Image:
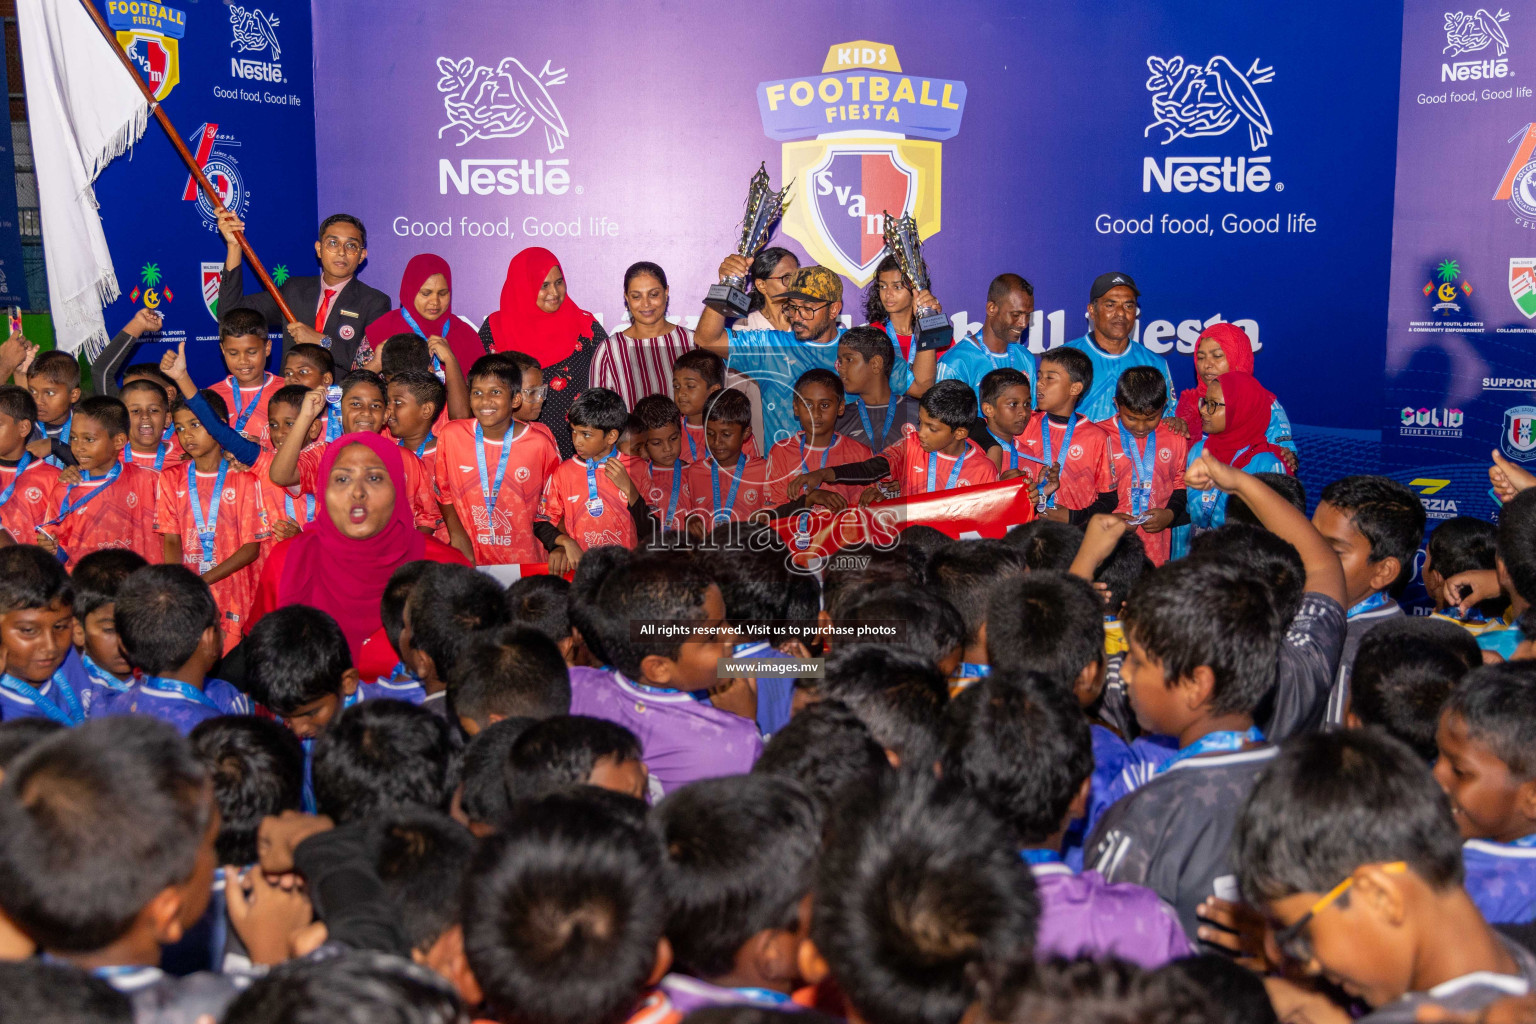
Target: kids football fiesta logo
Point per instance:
(150, 34)
(860, 139)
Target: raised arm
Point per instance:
(285, 464)
(174, 366)
(711, 334)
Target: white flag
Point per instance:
(84, 111)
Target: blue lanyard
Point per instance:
(825, 452)
(1142, 468)
(972, 670)
(1370, 604)
(65, 508)
(410, 321)
(243, 412)
(677, 484)
(160, 456)
(101, 677)
(70, 714)
(180, 689)
(1212, 742)
(491, 489)
(693, 446)
(332, 422)
(954, 473)
(730, 496)
(876, 443)
(207, 532)
(421, 449)
(1045, 449)
(21, 467)
(1525, 842)
(594, 503)
(309, 508)
(1041, 856)
(64, 434)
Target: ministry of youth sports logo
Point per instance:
(1192, 100)
(503, 102)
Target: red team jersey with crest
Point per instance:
(1085, 468)
(792, 457)
(241, 521)
(146, 460)
(566, 496)
(504, 537)
(1167, 476)
(428, 459)
(122, 516)
(418, 485)
(26, 507)
(694, 449)
(659, 494)
(251, 409)
(751, 491)
(909, 467)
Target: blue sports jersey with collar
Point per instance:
(1208, 509)
(1111, 755)
(970, 360)
(1279, 430)
(1501, 879)
(1099, 403)
(183, 711)
(776, 359)
(87, 691)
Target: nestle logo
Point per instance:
(1206, 174)
(507, 177)
(255, 70)
(1472, 70)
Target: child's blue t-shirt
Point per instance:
(71, 675)
(1208, 509)
(183, 707)
(1501, 641)
(1501, 879)
(1111, 756)
(775, 694)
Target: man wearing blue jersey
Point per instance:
(1112, 312)
(1000, 342)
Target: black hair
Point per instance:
(18, 403)
(846, 582)
(657, 411)
(1517, 543)
(709, 367)
(396, 593)
(598, 407)
(423, 856)
(382, 755)
(151, 371)
(644, 267)
(562, 913)
(1047, 622)
(933, 628)
(1020, 743)
(740, 855)
(1236, 994)
(581, 607)
(1126, 563)
(1077, 364)
(1271, 558)
(483, 792)
(161, 613)
(1002, 284)
(32, 578)
(818, 375)
(404, 351)
(257, 768)
(633, 427)
(1333, 801)
(56, 367)
(1100, 991)
(133, 387)
(317, 355)
(951, 402)
(41, 992)
(899, 696)
(563, 751)
(348, 986)
(729, 406)
(1193, 613)
(17, 735)
(290, 395)
(98, 575)
(511, 672)
(110, 412)
(1386, 513)
(920, 542)
(1141, 390)
(654, 587)
(515, 363)
(343, 218)
(757, 583)
(296, 655)
(965, 571)
(213, 398)
(448, 604)
(1404, 670)
(94, 821)
(874, 309)
(916, 888)
(359, 377)
(1461, 545)
(1498, 704)
(499, 366)
(995, 382)
(242, 322)
(541, 603)
(871, 343)
(423, 386)
(829, 750)
(1283, 484)
(1046, 543)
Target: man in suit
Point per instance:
(330, 310)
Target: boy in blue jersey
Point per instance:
(874, 413)
(43, 676)
(1000, 342)
(1487, 766)
(1112, 311)
(97, 578)
(168, 624)
(300, 668)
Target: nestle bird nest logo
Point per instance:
(1191, 100)
(500, 102)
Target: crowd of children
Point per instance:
(1170, 750)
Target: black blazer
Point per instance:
(354, 309)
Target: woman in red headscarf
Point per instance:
(1235, 416)
(538, 319)
(342, 560)
(426, 309)
(1222, 348)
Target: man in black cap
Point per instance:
(1112, 311)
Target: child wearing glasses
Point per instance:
(1236, 412)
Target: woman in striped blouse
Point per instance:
(637, 361)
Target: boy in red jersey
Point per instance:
(245, 346)
(113, 505)
(416, 400)
(1148, 459)
(491, 469)
(662, 445)
(1075, 451)
(25, 479)
(731, 483)
(819, 401)
(148, 414)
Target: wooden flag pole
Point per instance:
(187, 158)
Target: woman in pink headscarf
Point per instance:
(1223, 348)
(426, 310)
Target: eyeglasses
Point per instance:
(535, 394)
(785, 280)
(1210, 405)
(334, 244)
(1290, 939)
(801, 309)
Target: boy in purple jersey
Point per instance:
(1020, 744)
(43, 676)
(1487, 766)
(513, 672)
(168, 624)
(97, 578)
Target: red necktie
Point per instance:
(325, 309)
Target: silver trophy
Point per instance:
(933, 330)
(764, 207)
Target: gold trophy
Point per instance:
(764, 207)
(933, 330)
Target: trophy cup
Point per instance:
(764, 206)
(933, 330)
